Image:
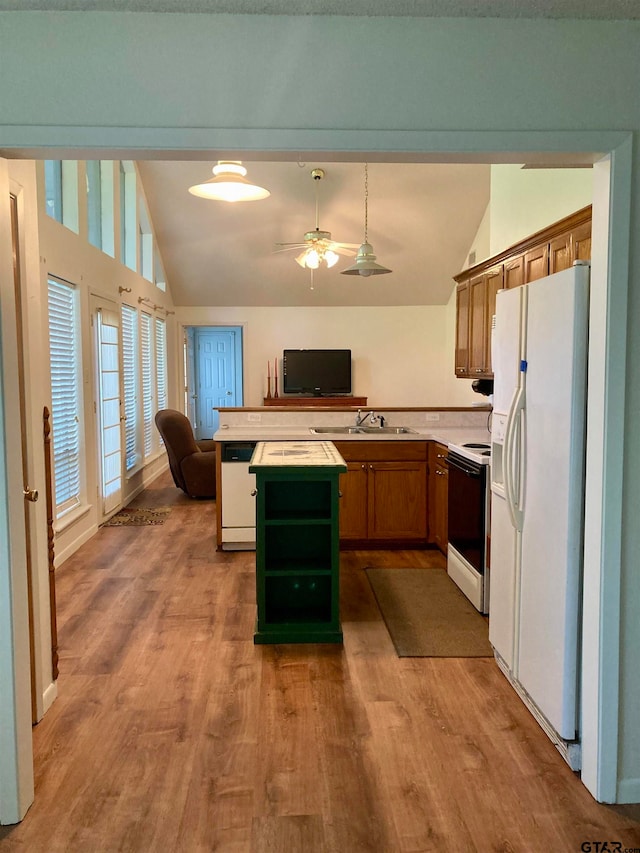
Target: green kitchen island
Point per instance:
(297, 541)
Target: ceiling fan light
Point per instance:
(331, 258)
(229, 184)
(365, 263)
(312, 259)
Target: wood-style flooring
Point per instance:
(173, 732)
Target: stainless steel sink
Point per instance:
(345, 430)
(342, 430)
(386, 430)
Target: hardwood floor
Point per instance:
(173, 732)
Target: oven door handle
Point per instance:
(459, 465)
(512, 473)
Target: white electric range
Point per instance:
(467, 550)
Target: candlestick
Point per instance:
(275, 376)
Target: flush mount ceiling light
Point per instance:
(365, 263)
(229, 184)
(317, 247)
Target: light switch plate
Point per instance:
(254, 417)
(431, 417)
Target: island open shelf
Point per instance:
(297, 542)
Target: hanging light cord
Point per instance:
(366, 200)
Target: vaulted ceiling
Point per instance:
(422, 219)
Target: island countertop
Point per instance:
(296, 454)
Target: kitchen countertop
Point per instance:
(445, 435)
(296, 454)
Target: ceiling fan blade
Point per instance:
(285, 247)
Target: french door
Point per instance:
(106, 323)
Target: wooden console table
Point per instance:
(294, 400)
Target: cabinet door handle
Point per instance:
(254, 493)
(339, 494)
(441, 456)
(363, 466)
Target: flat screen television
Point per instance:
(320, 372)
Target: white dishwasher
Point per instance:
(238, 497)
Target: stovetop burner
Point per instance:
(477, 446)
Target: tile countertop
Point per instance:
(296, 454)
(445, 435)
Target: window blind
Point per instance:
(161, 363)
(147, 382)
(65, 394)
(130, 382)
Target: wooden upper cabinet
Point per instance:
(514, 272)
(494, 282)
(548, 251)
(536, 263)
(477, 325)
(462, 329)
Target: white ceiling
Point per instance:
(597, 9)
(422, 220)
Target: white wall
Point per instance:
(402, 356)
(525, 200)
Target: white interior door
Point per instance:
(107, 326)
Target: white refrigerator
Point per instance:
(539, 351)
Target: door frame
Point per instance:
(606, 405)
(190, 371)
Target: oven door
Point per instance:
(467, 485)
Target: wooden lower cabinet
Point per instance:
(384, 492)
(438, 495)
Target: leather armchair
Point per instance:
(192, 463)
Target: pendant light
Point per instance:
(229, 184)
(365, 263)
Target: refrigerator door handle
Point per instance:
(511, 458)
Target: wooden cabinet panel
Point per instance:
(353, 503)
(462, 329)
(581, 242)
(477, 325)
(560, 253)
(514, 272)
(536, 263)
(438, 495)
(397, 500)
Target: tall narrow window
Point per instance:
(94, 202)
(128, 229)
(53, 188)
(65, 394)
(148, 381)
(130, 351)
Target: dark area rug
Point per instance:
(427, 615)
(138, 517)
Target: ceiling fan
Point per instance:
(317, 246)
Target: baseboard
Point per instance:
(73, 546)
(49, 696)
(570, 750)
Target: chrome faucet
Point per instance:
(374, 419)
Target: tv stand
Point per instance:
(328, 402)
